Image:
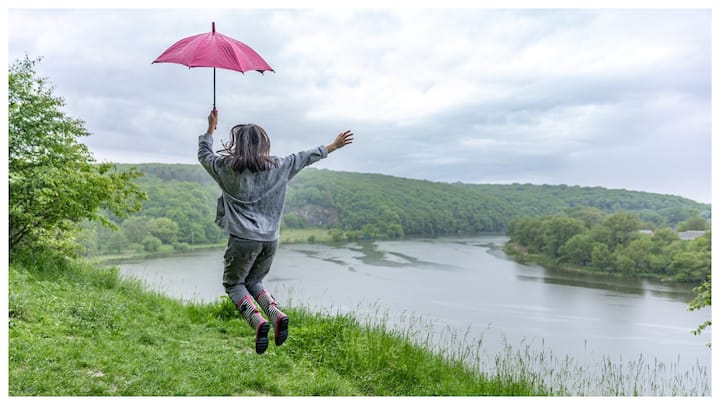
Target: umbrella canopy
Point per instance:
(214, 50)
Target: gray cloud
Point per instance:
(614, 98)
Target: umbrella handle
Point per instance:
(214, 109)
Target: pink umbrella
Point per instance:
(214, 50)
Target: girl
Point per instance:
(253, 185)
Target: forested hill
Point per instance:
(381, 205)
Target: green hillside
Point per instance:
(181, 201)
(431, 208)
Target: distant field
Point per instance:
(306, 235)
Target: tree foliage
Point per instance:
(53, 181)
(179, 211)
(702, 299)
(614, 244)
(363, 206)
(694, 223)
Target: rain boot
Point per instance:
(278, 319)
(250, 312)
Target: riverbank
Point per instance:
(79, 329)
(521, 255)
(288, 236)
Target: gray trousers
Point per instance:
(247, 262)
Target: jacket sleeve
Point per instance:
(206, 156)
(297, 161)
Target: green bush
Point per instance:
(151, 244)
(181, 247)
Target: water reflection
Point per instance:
(669, 290)
(576, 282)
(374, 256)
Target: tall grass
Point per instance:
(535, 364)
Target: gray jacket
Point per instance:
(251, 204)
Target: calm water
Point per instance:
(467, 289)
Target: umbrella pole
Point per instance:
(214, 89)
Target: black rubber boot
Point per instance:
(257, 322)
(279, 320)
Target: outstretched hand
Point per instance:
(212, 121)
(344, 138)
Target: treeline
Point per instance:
(364, 206)
(176, 215)
(615, 243)
(375, 205)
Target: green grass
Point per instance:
(76, 329)
(305, 235)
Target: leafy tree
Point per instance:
(293, 220)
(89, 240)
(624, 263)
(639, 251)
(702, 299)
(151, 243)
(652, 217)
(690, 266)
(527, 232)
(692, 261)
(578, 249)
(557, 231)
(658, 263)
(663, 237)
(116, 243)
(620, 228)
(694, 223)
(589, 215)
(53, 181)
(601, 256)
(164, 229)
(668, 254)
(677, 214)
(136, 229)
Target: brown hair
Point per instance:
(249, 148)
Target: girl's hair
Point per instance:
(249, 148)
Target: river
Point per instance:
(468, 296)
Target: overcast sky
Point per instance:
(595, 97)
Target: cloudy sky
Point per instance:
(618, 98)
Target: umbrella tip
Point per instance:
(213, 27)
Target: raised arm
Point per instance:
(206, 156)
(344, 138)
(297, 161)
